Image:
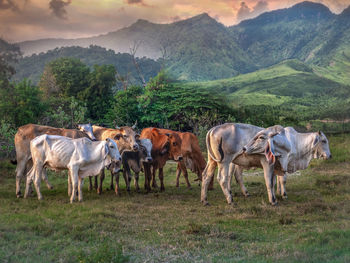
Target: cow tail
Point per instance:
(210, 150)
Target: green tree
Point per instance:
(21, 104)
(171, 105)
(99, 93)
(125, 109)
(64, 77)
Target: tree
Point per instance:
(125, 109)
(64, 77)
(98, 95)
(21, 104)
(171, 105)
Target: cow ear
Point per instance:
(168, 134)
(118, 136)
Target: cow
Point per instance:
(125, 137)
(192, 156)
(82, 157)
(27, 133)
(286, 150)
(224, 143)
(134, 161)
(165, 146)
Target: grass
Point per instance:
(312, 225)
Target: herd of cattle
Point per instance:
(232, 147)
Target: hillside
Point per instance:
(281, 34)
(291, 85)
(32, 67)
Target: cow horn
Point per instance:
(134, 126)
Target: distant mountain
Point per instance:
(32, 67)
(200, 48)
(282, 34)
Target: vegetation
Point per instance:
(311, 226)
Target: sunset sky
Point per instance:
(33, 19)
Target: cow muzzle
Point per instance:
(149, 159)
(135, 147)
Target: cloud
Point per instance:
(244, 12)
(136, 2)
(58, 8)
(8, 4)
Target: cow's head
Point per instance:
(112, 152)
(146, 149)
(320, 146)
(126, 138)
(87, 128)
(174, 146)
(264, 142)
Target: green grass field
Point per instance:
(313, 225)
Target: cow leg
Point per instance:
(96, 182)
(207, 177)
(112, 186)
(102, 177)
(136, 182)
(178, 173)
(154, 182)
(270, 182)
(90, 183)
(37, 180)
(281, 186)
(70, 184)
(238, 173)
(147, 170)
(80, 189)
(184, 170)
(117, 189)
(74, 178)
(46, 179)
(127, 180)
(30, 177)
(161, 178)
(224, 180)
(20, 171)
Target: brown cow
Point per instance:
(27, 133)
(192, 156)
(125, 137)
(166, 146)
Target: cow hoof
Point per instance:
(206, 203)
(284, 196)
(274, 204)
(50, 187)
(189, 188)
(99, 192)
(210, 188)
(247, 194)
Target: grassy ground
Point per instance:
(313, 225)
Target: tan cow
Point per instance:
(125, 137)
(27, 133)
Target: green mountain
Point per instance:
(291, 84)
(282, 34)
(200, 48)
(33, 66)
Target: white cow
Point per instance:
(286, 150)
(82, 157)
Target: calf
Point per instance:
(134, 161)
(82, 157)
(164, 147)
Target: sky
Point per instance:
(34, 19)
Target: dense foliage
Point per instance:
(33, 66)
